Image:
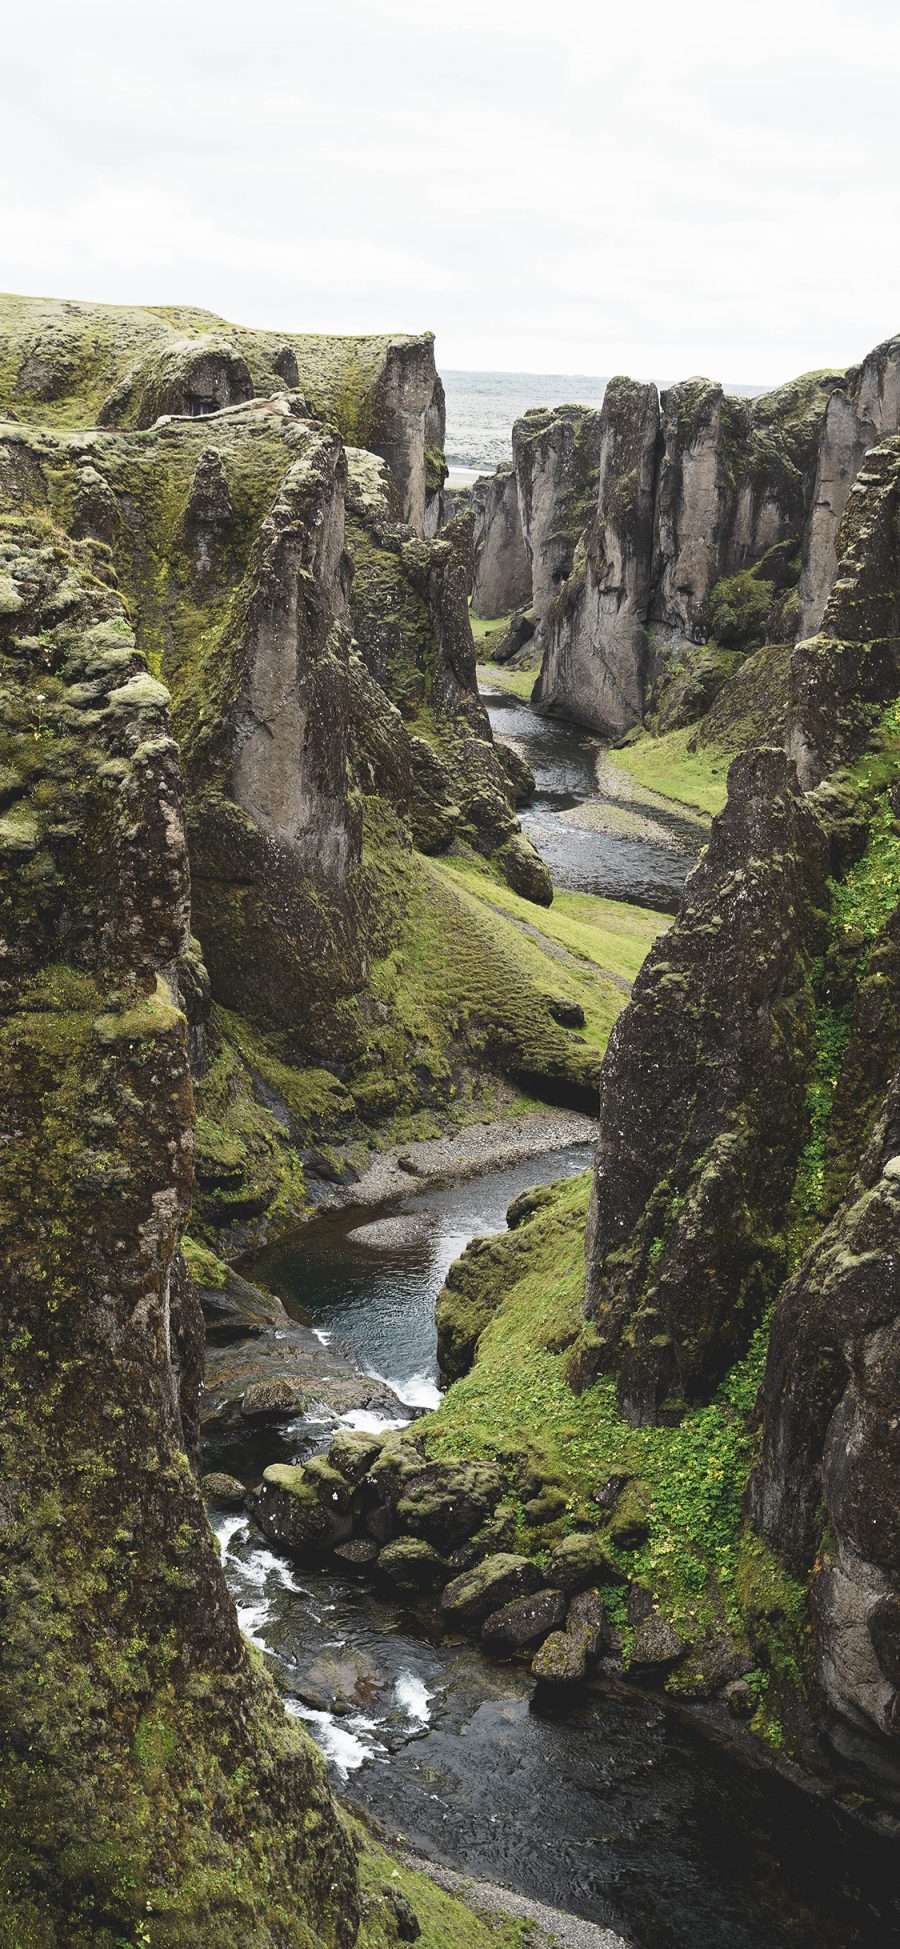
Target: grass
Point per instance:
(501, 677)
(442, 1918)
(608, 934)
(666, 765)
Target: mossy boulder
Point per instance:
(411, 1564)
(579, 1560)
(291, 1511)
(562, 1658)
(469, 1599)
(223, 1489)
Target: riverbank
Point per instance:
(554, 1928)
(459, 1154)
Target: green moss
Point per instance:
(608, 934)
(443, 1920)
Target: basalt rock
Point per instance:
(502, 572)
(841, 679)
(497, 1581)
(595, 658)
(557, 456)
(825, 1493)
(863, 407)
(703, 1103)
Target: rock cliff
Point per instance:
(861, 410)
(502, 574)
(68, 364)
(667, 537)
(144, 1755)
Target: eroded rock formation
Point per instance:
(502, 575)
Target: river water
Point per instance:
(614, 1807)
(620, 865)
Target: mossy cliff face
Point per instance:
(702, 1105)
(322, 675)
(66, 364)
(150, 1782)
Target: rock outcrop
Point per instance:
(863, 407)
(668, 536)
(556, 455)
(596, 644)
(71, 364)
(703, 1104)
(502, 574)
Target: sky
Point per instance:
(572, 188)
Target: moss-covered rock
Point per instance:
(469, 1599)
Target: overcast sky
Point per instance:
(654, 188)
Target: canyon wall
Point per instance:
(665, 537)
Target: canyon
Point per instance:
(274, 922)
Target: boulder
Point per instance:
(412, 1564)
(524, 1620)
(581, 1560)
(289, 1509)
(361, 1553)
(657, 1644)
(223, 1489)
(562, 1658)
(469, 1599)
(587, 1618)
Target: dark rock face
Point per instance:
(141, 1753)
(702, 1103)
(831, 1439)
(524, 1620)
(863, 407)
(502, 573)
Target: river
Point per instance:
(619, 1809)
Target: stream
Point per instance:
(613, 1806)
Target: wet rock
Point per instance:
(494, 1536)
(581, 1560)
(657, 1644)
(271, 1400)
(282, 1355)
(412, 1564)
(361, 1553)
(518, 771)
(223, 1489)
(524, 1620)
(562, 1659)
(446, 1502)
(289, 1510)
(496, 1581)
(353, 1452)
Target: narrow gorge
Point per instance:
(450, 1162)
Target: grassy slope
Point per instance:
(499, 675)
(666, 765)
(609, 934)
(688, 1481)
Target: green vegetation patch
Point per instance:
(501, 676)
(686, 1483)
(669, 765)
(609, 934)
